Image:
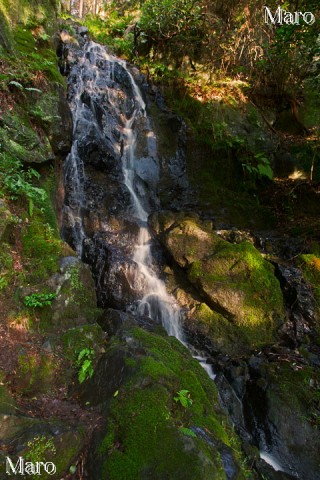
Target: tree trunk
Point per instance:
(95, 7)
(81, 8)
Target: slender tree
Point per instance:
(81, 8)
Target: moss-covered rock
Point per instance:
(86, 336)
(186, 238)
(310, 266)
(75, 302)
(51, 112)
(243, 297)
(42, 249)
(38, 441)
(41, 12)
(19, 139)
(36, 373)
(239, 283)
(149, 433)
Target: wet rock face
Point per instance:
(272, 396)
(111, 269)
(301, 304)
(97, 219)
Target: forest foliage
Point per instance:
(230, 38)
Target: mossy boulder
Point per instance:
(76, 303)
(185, 237)
(51, 112)
(13, 13)
(242, 296)
(41, 248)
(21, 141)
(78, 338)
(149, 433)
(237, 282)
(36, 373)
(40, 441)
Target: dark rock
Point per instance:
(300, 302)
(233, 405)
(82, 30)
(112, 320)
(114, 272)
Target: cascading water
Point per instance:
(96, 67)
(156, 303)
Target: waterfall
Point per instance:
(96, 101)
(156, 303)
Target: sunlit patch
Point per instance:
(20, 322)
(298, 175)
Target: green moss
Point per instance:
(241, 285)
(41, 248)
(76, 339)
(310, 265)
(19, 140)
(63, 450)
(41, 12)
(297, 389)
(142, 438)
(24, 40)
(68, 448)
(36, 373)
(189, 240)
(47, 209)
(6, 265)
(224, 334)
(140, 451)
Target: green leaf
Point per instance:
(188, 432)
(85, 352)
(265, 170)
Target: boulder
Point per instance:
(149, 433)
(242, 304)
(75, 303)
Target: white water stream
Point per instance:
(156, 303)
